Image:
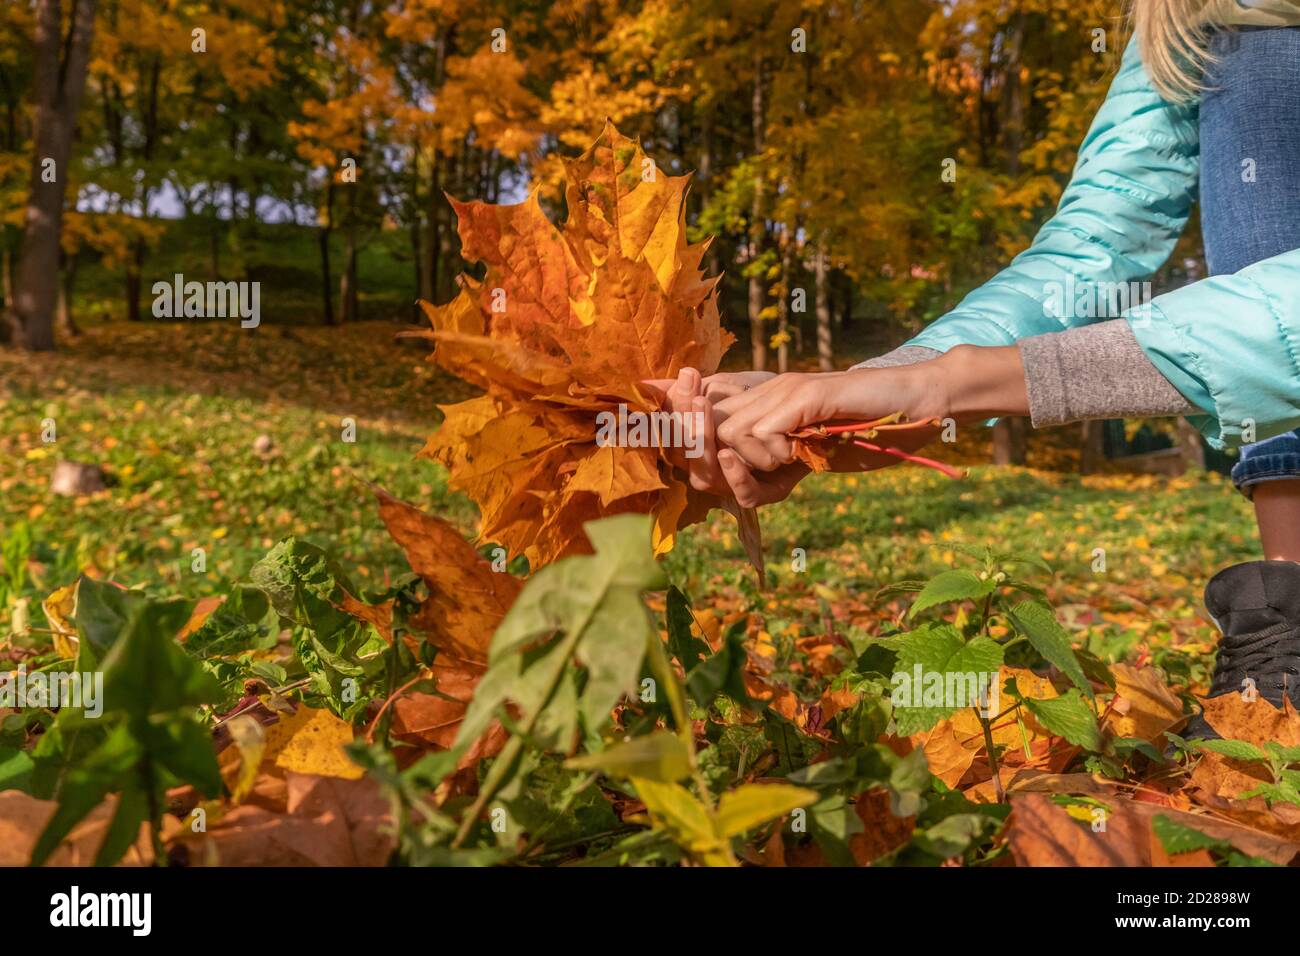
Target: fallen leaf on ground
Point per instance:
(1143, 705)
(326, 821)
(23, 818)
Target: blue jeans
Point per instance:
(1250, 183)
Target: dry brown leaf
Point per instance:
(23, 818)
(466, 602)
(948, 755)
(1031, 780)
(1143, 705)
(326, 821)
(1249, 840)
(1256, 722)
(467, 598)
(1040, 833)
(882, 832)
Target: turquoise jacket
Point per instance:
(1230, 344)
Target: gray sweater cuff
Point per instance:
(903, 355)
(1095, 371)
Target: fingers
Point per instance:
(704, 471)
(698, 458)
(751, 489)
(723, 385)
(757, 423)
(678, 399)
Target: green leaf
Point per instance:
(946, 665)
(1234, 749)
(558, 806)
(1069, 716)
(1282, 755)
(1275, 793)
(145, 670)
(658, 756)
(833, 823)
(15, 769)
(245, 621)
(303, 584)
(682, 644)
(595, 602)
(723, 672)
(949, 586)
(132, 810)
(952, 835)
(1177, 838)
(757, 803)
(909, 780)
(86, 786)
(1038, 624)
(102, 610)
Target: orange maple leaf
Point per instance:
(466, 601)
(566, 324)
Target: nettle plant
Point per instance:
(966, 623)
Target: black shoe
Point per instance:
(1257, 607)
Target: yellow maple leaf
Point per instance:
(311, 741)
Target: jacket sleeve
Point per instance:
(1126, 204)
(1231, 345)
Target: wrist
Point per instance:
(972, 383)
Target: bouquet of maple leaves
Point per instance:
(568, 323)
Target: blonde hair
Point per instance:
(1173, 36)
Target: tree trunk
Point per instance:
(327, 227)
(6, 271)
(348, 278)
(783, 307)
(1009, 433)
(434, 239)
(1189, 442)
(1092, 447)
(757, 229)
(1009, 441)
(214, 245)
(134, 274)
(704, 175)
(846, 302)
(58, 84)
(416, 229)
(64, 321)
(821, 279)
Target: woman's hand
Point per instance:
(686, 396)
(966, 384)
(757, 424)
(722, 385)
